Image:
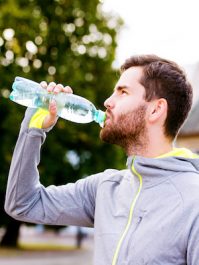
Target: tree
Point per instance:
(70, 42)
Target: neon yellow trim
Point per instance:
(183, 152)
(38, 118)
(115, 257)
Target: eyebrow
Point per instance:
(118, 88)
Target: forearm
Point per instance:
(23, 181)
(28, 200)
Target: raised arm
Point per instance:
(27, 199)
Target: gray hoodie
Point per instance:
(147, 214)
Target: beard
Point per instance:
(129, 131)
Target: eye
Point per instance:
(124, 92)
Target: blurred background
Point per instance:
(81, 44)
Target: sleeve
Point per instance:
(28, 200)
(37, 119)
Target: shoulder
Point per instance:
(114, 175)
(108, 176)
(187, 185)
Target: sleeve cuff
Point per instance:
(38, 118)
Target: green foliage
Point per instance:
(70, 42)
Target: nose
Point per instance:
(108, 103)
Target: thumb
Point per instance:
(51, 118)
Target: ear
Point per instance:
(157, 110)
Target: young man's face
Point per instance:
(126, 108)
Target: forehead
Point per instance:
(131, 77)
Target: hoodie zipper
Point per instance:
(116, 254)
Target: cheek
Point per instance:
(125, 106)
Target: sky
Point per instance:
(168, 28)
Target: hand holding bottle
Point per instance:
(52, 87)
(53, 100)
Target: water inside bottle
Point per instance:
(79, 115)
(70, 107)
(27, 102)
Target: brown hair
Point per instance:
(165, 79)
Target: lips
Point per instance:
(108, 117)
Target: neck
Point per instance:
(153, 147)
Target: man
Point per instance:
(145, 214)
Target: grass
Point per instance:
(24, 249)
(45, 246)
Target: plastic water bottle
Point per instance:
(70, 107)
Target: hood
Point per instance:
(158, 169)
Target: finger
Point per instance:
(51, 86)
(58, 88)
(51, 118)
(53, 109)
(44, 84)
(67, 89)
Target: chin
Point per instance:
(103, 134)
(106, 134)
